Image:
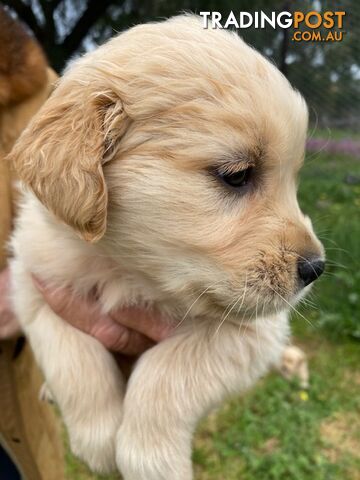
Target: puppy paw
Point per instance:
(93, 441)
(146, 458)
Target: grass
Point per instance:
(334, 205)
(277, 431)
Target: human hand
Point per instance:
(9, 325)
(129, 331)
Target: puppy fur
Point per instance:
(122, 197)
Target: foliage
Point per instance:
(327, 74)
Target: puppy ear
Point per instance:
(61, 154)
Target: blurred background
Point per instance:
(278, 431)
(327, 74)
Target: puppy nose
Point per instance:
(310, 269)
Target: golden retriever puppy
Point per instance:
(162, 172)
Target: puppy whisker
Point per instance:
(292, 307)
(226, 315)
(196, 300)
(256, 327)
(240, 306)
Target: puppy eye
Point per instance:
(237, 180)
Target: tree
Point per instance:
(96, 20)
(326, 74)
(45, 18)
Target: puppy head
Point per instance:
(182, 146)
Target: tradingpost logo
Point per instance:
(310, 26)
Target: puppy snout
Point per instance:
(309, 269)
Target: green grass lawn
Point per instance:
(277, 431)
